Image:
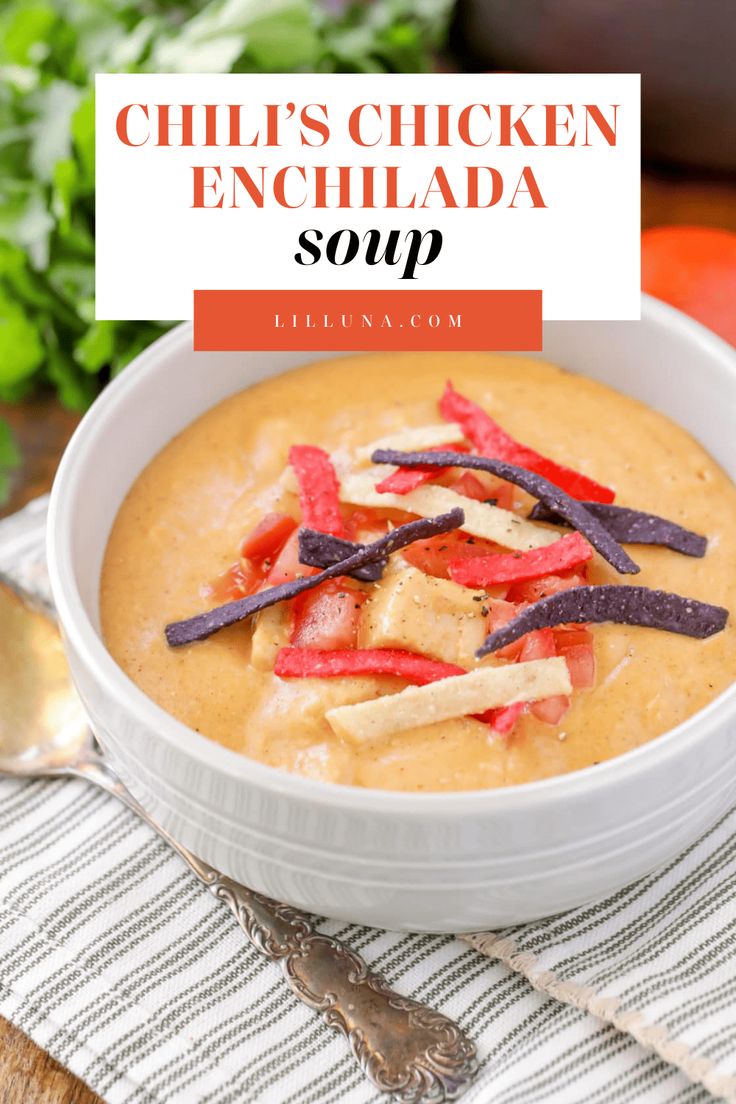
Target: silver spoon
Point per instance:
(403, 1047)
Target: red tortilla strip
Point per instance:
(484, 571)
(319, 489)
(408, 479)
(490, 439)
(531, 482)
(348, 662)
(312, 663)
(478, 426)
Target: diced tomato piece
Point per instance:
(541, 645)
(569, 638)
(534, 589)
(538, 645)
(327, 617)
(551, 710)
(375, 520)
(238, 581)
(484, 489)
(286, 566)
(503, 493)
(365, 526)
(363, 518)
(580, 659)
(467, 547)
(434, 555)
(471, 486)
(499, 614)
(430, 556)
(504, 720)
(268, 537)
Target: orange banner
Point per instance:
(365, 320)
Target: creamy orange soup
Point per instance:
(183, 520)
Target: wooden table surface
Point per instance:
(42, 428)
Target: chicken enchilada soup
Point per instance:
(365, 573)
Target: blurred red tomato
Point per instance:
(694, 269)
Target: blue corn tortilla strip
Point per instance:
(624, 605)
(569, 508)
(322, 550)
(211, 621)
(634, 527)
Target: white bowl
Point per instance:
(423, 862)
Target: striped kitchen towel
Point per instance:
(114, 960)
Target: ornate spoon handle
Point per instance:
(403, 1047)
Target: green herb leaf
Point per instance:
(49, 52)
(21, 351)
(76, 390)
(95, 349)
(10, 460)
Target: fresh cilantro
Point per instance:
(49, 51)
(9, 460)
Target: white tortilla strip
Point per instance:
(482, 520)
(413, 439)
(270, 634)
(456, 696)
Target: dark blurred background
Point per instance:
(685, 51)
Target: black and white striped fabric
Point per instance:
(114, 960)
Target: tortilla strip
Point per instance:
(204, 624)
(621, 605)
(413, 439)
(481, 520)
(459, 696)
(531, 482)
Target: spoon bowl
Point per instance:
(43, 728)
